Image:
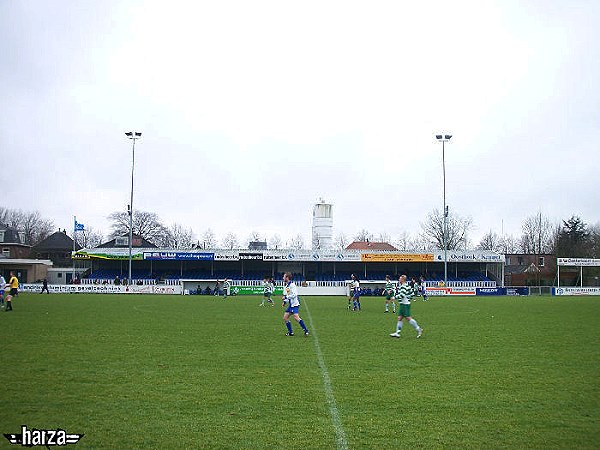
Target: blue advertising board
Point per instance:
(490, 291)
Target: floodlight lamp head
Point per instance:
(129, 134)
(447, 137)
(438, 136)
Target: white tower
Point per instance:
(322, 229)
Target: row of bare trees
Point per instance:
(539, 234)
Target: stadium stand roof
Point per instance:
(367, 245)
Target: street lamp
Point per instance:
(133, 135)
(443, 138)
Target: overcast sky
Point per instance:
(252, 110)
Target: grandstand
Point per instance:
(319, 268)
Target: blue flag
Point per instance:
(78, 226)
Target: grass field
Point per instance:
(200, 372)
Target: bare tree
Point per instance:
(341, 241)
(209, 239)
(404, 242)
(34, 227)
(384, 237)
(297, 243)
(509, 245)
(458, 229)
(490, 241)
(595, 240)
(230, 241)
(178, 237)
(88, 237)
(536, 237)
(363, 236)
(145, 224)
(275, 241)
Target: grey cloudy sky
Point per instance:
(251, 111)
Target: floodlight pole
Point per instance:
(443, 139)
(133, 135)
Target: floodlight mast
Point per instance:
(133, 135)
(443, 139)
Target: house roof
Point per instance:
(357, 245)
(56, 241)
(11, 235)
(137, 242)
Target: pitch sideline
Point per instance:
(341, 441)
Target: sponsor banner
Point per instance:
(253, 290)
(395, 257)
(450, 291)
(299, 255)
(103, 289)
(275, 257)
(576, 291)
(252, 256)
(335, 256)
(517, 291)
(475, 256)
(178, 256)
(222, 256)
(490, 291)
(111, 254)
(579, 262)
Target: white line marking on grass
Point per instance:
(342, 442)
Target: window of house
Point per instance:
(541, 262)
(520, 260)
(6, 252)
(1, 235)
(59, 275)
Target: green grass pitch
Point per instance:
(202, 372)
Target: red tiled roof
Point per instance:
(371, 246)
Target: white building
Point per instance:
(322, 228)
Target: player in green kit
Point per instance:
(389, 291)
(404, 294)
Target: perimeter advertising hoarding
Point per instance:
(451, 291)
(103, 289)
(253, 290)
(390, 257)
(576, 291)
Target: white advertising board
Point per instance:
(103, 289)
(576, 291)
(578, 262)
(450, 291)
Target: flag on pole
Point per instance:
(78, 226)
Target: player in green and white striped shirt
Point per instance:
(389, 291)
(268, 288)
(404, 294)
